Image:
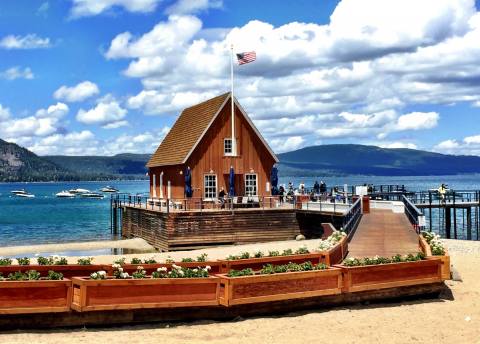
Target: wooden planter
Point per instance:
(68, 271)
(446, 273)
(282, 286)
(149, 268)
(258, 263)
(336, 254)
(92, 295)
(18, 297)
(371, 277)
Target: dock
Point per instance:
(383, 233)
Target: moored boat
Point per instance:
(109, 189)
(18, 192)
(92, 195)
(25, 195)
(78, 191)
(65, 194)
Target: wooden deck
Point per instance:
(383, 233)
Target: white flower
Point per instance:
(124, 275)
(162, 269)
(120, 269)
(139, 267)
(208, 268)
(94, 275)
(102, 273)
(195, 270)
(176, 267)
(116, 266)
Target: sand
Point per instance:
(454, 318)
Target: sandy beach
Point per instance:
(453, 318)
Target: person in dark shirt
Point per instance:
(221, 197)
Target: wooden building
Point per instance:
(201, 141)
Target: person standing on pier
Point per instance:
(442, 190)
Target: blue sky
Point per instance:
(103, 77)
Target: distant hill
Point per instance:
(372, 160)
(120, 165)
(19, 164)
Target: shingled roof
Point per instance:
(188, 130)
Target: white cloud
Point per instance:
(4, 113)
(77, 93)
(84, 8)
(398, 144)
(17, 73)
(417, 121)
(288, 144)
(107, 113)
(58, 110)
(193, 6)
(30, 41)
(469, 145)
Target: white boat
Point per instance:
(18, 192)
(65, 194)
(25, 195)
(92, 195)
(108, 189)
(78, 191)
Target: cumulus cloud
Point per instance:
(30, 41)
(17, 73)
(469, 145)
(108, 113)
(417, 121)
(77, 93)
(58, 110)
(85, 8)
(398, 144)
(291, 143)
(193, 6)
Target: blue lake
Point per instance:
(47, 219)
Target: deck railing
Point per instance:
(352, 217)
(415, 216)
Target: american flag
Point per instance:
(246, 57)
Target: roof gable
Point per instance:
(189, 129)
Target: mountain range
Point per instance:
(19, 164)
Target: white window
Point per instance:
(251, 188)
(227, 147)
(210, 186)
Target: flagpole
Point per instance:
(234, 145)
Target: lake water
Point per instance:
(47, 219)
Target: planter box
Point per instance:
(149, 268)
(92, 295)
(336, 254)
(372, 277)
(258, 263)
(446, 274)
(68, 271)
(282, 286)
(17, 297)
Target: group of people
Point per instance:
(288, 193)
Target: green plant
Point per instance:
(291, 267)
(169, 260)
(160, 273)
(239, 273)
(5, 261)
(302, 250)
(232, 257)
(202, 257)
(120, 261)
(99, 275)
(258, 254)
(244, 255)
(54, 276)
(150, 260)
(139, 273)
(287, 252)
(135, 260)
(16, 276)
(60, 261)
(23, 261)
(273, 253)
(44, 261)
(32, 275)
(187, 260)
(383, 260)
(181, 272)
(85, 261)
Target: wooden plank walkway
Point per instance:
(383, 233)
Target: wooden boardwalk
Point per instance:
(383, 233)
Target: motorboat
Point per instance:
(78, 191)
(92, 195)
(25, 195)
(18, 192)
(65, 194)
(109, 189)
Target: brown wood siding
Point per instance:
(252, 155)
